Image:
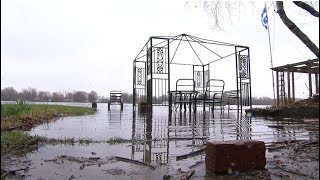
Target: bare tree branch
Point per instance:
(295, 30)
(214, 9)
(307, 7)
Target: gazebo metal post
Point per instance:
(289, 89)
(149, 70)
(240, 86)
(316, 82)
(243, 78)
(169, 94)
(249, 64)
(310, 79)
(134, 84)
(237, 74)
(203, 88)
(277, 80)
(293, 90)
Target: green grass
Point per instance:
(23, 117)
(72, 140)
(14, 109)
(112, 141)
(18, 142)
(118, 140)
(26, 115)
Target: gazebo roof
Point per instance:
(200, 51)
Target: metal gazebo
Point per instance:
(154, 71)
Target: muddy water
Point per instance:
(161, 137)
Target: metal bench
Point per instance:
(115, 99)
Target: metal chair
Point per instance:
(185, 93)
(230, 97)
(116, 99)
(213, 93)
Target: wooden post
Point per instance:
(277, 77)
(317, 82)
(310, 80)
(284, 102)
(293, 91)
(94, 105)
(289, 89)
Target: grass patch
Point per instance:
(112, 141)
(72, 141)
(18, 143)
(118, 140)
(13, 109)
(25, 116)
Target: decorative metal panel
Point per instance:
(160, 59)
(243, 66)
(206, 77)
(198, 78)
(149, 54)
(140, 76)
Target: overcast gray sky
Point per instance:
(90, 45)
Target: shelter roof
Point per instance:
(300, 67)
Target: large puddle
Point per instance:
(159, 140)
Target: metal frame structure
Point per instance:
(286, 95)
(115, 99)
(152, 74)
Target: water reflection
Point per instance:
(153, 132)
(181, 129)
(115, 115)
(159, 137)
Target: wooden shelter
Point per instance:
(285, 87)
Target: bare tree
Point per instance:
(68, 97)
(92, 96)
(9, 94)
(307, 7)
(79, 96)
(29, 94)
(57, 97)
(216, 10)
(294, 28)
(220, 11)
(44, 96)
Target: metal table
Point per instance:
(182, 97)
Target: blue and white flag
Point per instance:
(264, 18)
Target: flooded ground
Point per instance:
(158, 139)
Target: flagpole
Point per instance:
(274, 97)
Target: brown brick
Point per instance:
(237, 155)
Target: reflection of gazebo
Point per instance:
(157, 132)
(286, 95)
(154, 71)
(155, 146)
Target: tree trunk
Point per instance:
(307, 7)
(295, 30)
